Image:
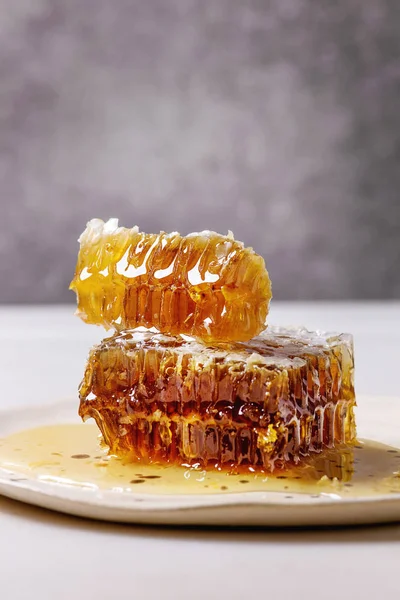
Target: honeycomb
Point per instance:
(204, 285)
(266, 403)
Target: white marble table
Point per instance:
(49, 556)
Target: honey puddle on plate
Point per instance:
(71, 454)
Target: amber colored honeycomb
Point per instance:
(205, 285)
(273, 400)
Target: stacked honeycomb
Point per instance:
(220, 398)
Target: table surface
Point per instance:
(49, 556)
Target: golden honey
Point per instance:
(208, 385)
(70, 455)
(204, 285)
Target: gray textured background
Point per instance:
(279, 120)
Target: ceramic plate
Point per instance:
(374, 497)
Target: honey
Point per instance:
(208, 385)
(204, 285)
(69, 455)
(266, 403)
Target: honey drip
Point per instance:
(267, 403)
(204, 285)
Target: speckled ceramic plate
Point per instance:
(41, 447)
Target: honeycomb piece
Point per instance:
(267, 402)
(204, 285)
